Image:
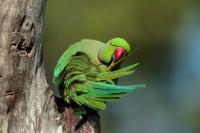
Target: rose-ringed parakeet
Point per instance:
(85, 74)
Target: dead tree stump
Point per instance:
(27, 104)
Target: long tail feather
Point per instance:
(116, 89)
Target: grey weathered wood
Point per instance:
(26, 102)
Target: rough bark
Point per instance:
(27, 104)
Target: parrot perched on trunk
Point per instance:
(87, 71)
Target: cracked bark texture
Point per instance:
(27, 104)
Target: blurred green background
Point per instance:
(166, 36)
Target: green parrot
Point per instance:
(87, 72)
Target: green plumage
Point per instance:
(82, 78)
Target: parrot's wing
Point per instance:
(83, 83)
(62, 62)
(71, 51)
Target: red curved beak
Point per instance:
(119, 52)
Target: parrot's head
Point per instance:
(114, 50)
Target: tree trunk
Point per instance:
(27, 104)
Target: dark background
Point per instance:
(166, 35)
